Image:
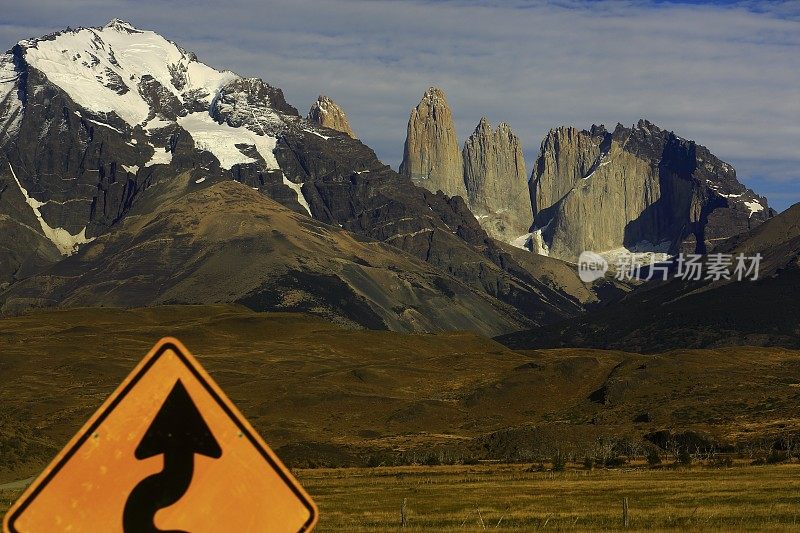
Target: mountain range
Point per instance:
(640, 189)
(135, 175)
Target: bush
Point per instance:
(588, 463)
(559, 462)
(684, 457)
(776, 457)
(432, 460)
(653, 457)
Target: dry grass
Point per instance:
(509, 498)
(506, 497)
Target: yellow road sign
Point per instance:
(168, 451)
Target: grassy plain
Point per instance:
(508, 497)
(511, 498)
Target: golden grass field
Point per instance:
(508, 498)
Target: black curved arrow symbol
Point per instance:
(177, 432)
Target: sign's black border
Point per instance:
(86, 434)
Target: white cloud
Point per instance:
(726, 77)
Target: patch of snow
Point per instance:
(10, 104)
(201, 76)
(157, 124)
(109, 126)
(133, 169)
(161, 156)
(200, 180)
(730, 195)
(317, 134)
(533, 241)
(412, 234)
(297, 188)
(221, 141)
(603, 162)
(523, 241)
(754, 207)
(538, 244)
(66, 242)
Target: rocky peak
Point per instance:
(329, 114)
(504, 130)
(496, 181)
(122, 26)
(251, 102)
(431, 155)
(566, 155)
(641, 188)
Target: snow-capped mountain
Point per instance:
(99, 110)
(104, 127)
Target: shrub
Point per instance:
(559, 462)
(653, 457)
(776, 457)
(615, 461)
(588, 463)
(684, 457)
(432, 460)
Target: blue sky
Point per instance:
(725, 74)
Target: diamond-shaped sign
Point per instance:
(168, 451)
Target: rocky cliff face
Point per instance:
(641, 188)
(431, 155)
(496, 181)
(327, 113)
